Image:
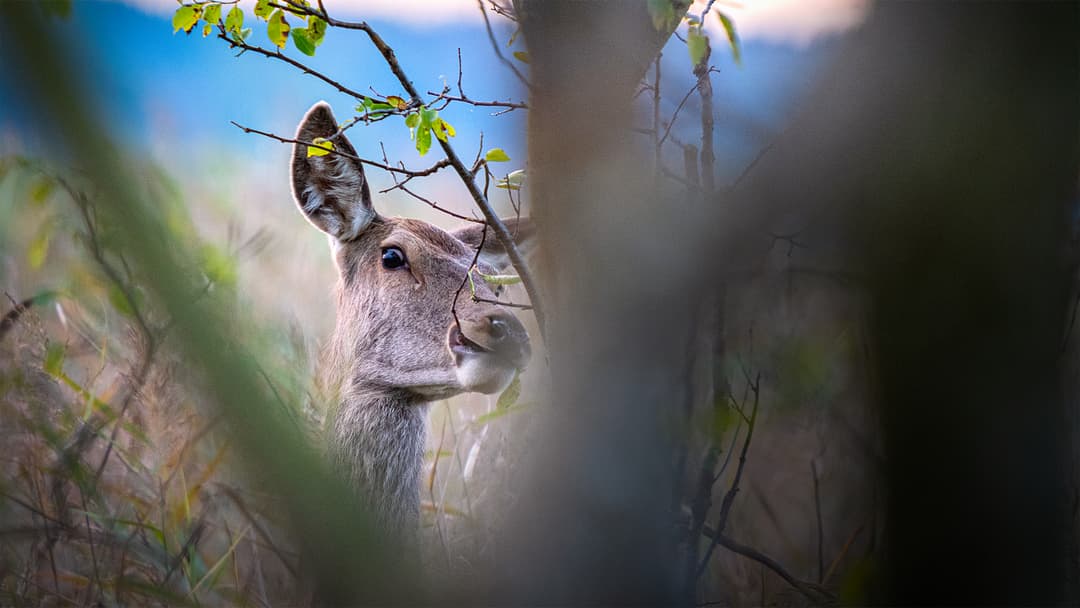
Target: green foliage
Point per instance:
(277, 29)
(500, 279)
(496, 155)
(510, 396)
(521, 56)
(234, 21)
(212, 13)
(185, 18)
(697, 43)
(263, 9)
(732, 36)
(662, 13)
(423, 123)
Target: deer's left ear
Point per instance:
(330, 189)
(493, 254)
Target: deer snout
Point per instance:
(488, 350)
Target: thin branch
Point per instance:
(498, 51)
(289, 60)
(675, 115)
(820, 526)
(813, 592)
(729, 498)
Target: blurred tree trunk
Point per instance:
(595, 525)
(944, 142)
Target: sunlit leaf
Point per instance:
(54, 358)
(412, 120)
(698, 45)
(510, 395)
(316, 29)
(206, 30)
(277, 29)
(501, 279)
(302, 40)
(662, 13)
(423, 139)
(521, 56)
(41, 190)
(218, 266)
(120, 302)
(234, 21)
(39, 247)
(263, 9)
(397, 103)
(322, 147)
(185, 18)
(496, 155)
(732, 36)
(212, 14)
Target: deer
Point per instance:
(403, 337)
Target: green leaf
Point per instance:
(496, 155)
(521, 56)
(263, 9)
(513, 181)
(442, 129)
(510, 396)
(698, 45)
(39, 247)
(212, 14)
(120, 301)
(185, 18)
(412, 120)
(322, 147)
(277, 29)
(396, 102)
(41, 190)
(423, 139)
(54, 358)
(316, 29)
(500, 279)
(302, 40)
(217, 265)
(732, 36)
(662, 13)
(234, 21)
(206, 30)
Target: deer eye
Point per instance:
(393, 258)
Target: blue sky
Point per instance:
(174, 95)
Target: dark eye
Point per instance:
(393, 258)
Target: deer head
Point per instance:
(398, 278)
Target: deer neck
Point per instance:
(377, 440)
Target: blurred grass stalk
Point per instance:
(345, 554)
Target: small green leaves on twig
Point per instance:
(496, 155)
(185, 18)
(422, 124)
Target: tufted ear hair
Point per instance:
(330, 189)
(494, 255)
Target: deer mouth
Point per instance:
(461, 345)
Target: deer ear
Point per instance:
(330, 189)
(493, 254)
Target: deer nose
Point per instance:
(509, 338)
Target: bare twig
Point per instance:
(733, 490)
(813, 592)
(820, 526)
(498, 51)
